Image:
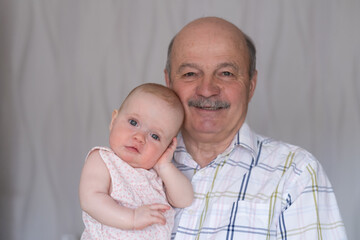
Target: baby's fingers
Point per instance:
(172, 145)
(170, 149)
(159, 207)
(157, 217)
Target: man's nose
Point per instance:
(208, 86)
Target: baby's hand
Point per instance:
(166, 157)
(147, 215)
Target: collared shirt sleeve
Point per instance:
(310, 210)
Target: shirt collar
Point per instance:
(245, 138)
(181, 156)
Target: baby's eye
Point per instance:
(133, 122)
(154, 136)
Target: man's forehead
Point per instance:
(210, 25)
(203, 36)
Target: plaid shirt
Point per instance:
(258, 188)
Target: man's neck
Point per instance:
(204, 151)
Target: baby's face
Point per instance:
(142, 130)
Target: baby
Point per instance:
(125, 190)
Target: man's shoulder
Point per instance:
(276, 151)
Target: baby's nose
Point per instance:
(140, 137)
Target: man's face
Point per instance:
(209, 72)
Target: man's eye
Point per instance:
(189, 74)
(227, 74)
(133, 122)
(154, 136)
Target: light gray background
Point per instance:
(66, 64)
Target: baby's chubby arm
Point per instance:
(178, 188)
(95, 199)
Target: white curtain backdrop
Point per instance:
(66, 64)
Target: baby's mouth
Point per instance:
(132, 149)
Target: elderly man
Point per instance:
(246, 186)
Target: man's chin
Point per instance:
(205, 127)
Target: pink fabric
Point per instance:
(131, 187)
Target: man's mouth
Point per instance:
(209, 108)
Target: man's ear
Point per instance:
(252, 86)
(113, 117)
(167, 78)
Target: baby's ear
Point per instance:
(113, 117)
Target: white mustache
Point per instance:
(208, 103)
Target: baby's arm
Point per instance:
(95, 199)
(178, 188)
